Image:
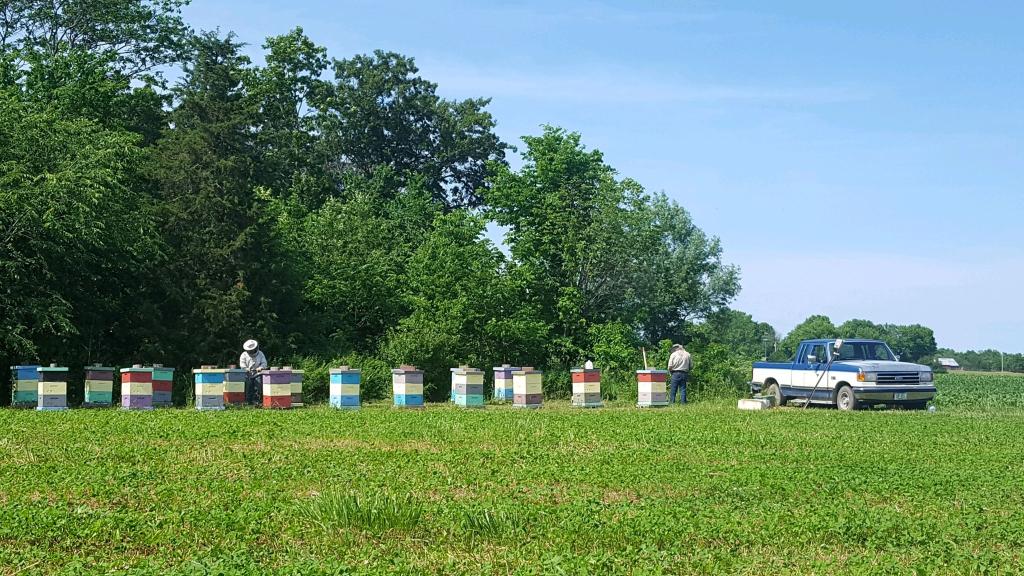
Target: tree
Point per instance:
(738, 332)
(813, 327)
(594, 249)
(220, 272)
(65, 277)
(912, 342)
(381, 113)
(289, 92)
(138, 36)
(685, 279)
(861, 329)
(355, 253)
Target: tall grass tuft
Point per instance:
(376, 513)
(492, 523)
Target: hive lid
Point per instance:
(467, 370)
(405, 368)
(53, 368)
(96, 366)
(527, 370)
(595, 369)
(506, 367)
(207, 370)
(25, 367)
(651, 371)
(136, 368)
(344, 369)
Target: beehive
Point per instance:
(163, 383)
(25, 386)
(99, 387)
(277, 388)
(345, 387)
(407, 387)
(209, 382)
(651, 391)
(297, 377)
(234, 386)
(586, 387)
(503, 382)
(53, 388)
(468, 387)
(527, 388)
(137, 388)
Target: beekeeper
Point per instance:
(253, 360)
(679, 366)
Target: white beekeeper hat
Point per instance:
(250, 345)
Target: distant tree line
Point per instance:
(912, 343)
(983, 360)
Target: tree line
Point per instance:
(330, 208)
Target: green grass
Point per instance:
(698, 489)
(980, 390)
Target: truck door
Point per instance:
(809, 372)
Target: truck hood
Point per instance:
(884, 366)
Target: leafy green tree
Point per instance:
(354, 254)
(66, 186)
(449, 288)
(594, 249)
(816, 326)
(861, 329)
(738, 332)
(220, 272)
(138, 36)
(683, 279)
(289, 92)
(911, 342)
(381, 113)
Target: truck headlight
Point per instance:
(926, 376)
(867, 376)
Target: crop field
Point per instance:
(698, 489)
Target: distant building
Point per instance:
(949, 364)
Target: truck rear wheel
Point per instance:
(845, 400)
(775, 391)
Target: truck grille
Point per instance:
(899, 377)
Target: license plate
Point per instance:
(899, 396)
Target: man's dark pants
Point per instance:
(253, 390)
(678, 383)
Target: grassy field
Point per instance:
(698, 489)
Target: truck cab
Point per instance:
(848, 374)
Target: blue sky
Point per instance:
(859, 159)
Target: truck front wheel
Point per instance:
(845, 400)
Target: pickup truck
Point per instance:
(852, 375)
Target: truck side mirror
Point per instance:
(812, 359)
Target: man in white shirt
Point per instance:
(253, 360)
(679, 366)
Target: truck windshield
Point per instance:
(865, 351)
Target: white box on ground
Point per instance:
(754, 404)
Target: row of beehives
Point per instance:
(46, 387)
(144, 388)
(148, 387)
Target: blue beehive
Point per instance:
(25, 386)
(345, 387)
